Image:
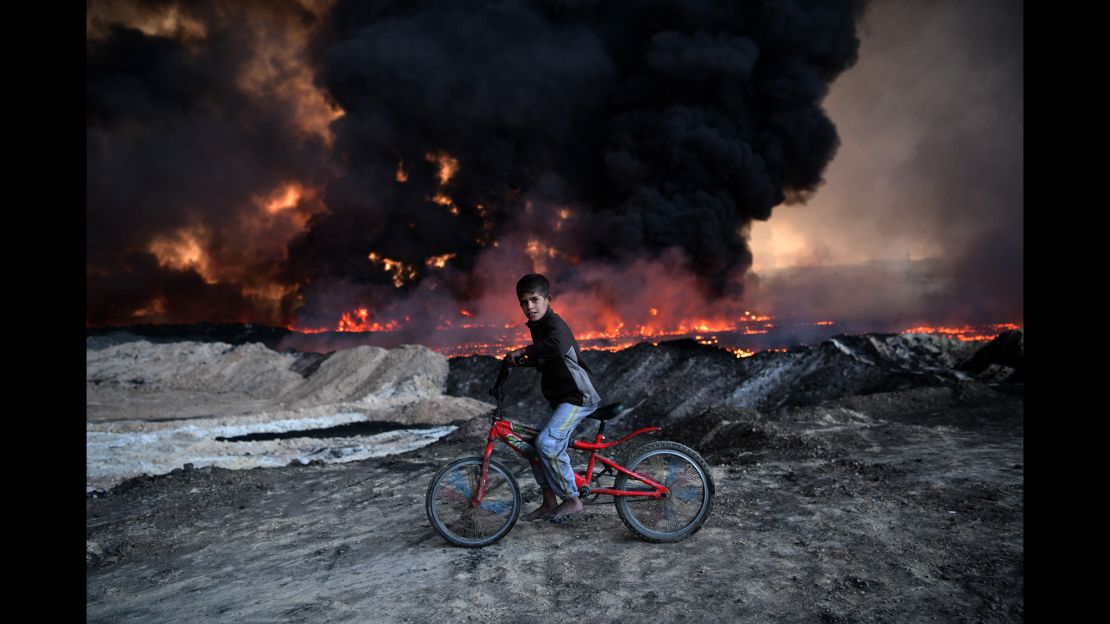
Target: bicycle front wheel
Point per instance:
(683, 471)
(447, 503)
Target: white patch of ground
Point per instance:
(118, 452)
(153, 407)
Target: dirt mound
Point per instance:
(228, 333)
(679, 379)
(372, 376)
(970, 405)
(911, 351)
(212, 367)
(155, 406)
(727, 434)
(1002, 359)
(366, 375)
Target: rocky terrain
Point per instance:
(678, 379)
(874, 478)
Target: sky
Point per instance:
(930, 165)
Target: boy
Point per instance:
(567, 384)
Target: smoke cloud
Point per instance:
(202, 147)
(591, 140)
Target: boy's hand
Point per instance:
(514, 355)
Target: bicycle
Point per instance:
(664, 496)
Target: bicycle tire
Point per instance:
(447, 503)
(682, 470)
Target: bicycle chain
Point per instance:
(590, 499)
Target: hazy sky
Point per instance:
(931, 159)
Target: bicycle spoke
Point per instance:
(453, 496)
(497, 484)
(490, 502)
(670, 515)
(687, 493)
(689, 496)
(676, 467)
(658, 469)
(498, 507)
(452, 499)
(457, 480)
(654, 511)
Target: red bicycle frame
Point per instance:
(510, 434)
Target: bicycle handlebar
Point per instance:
(498, 390)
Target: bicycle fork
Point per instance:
(480, 491)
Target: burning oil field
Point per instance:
(788, 233)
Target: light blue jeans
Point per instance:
(553, 470)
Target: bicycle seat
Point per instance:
(607, 412)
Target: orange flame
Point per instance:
(966, 333)
(539, 252)
(358, 322)
(743, 353)
(439, 261)
(284, 198)
(563, 215)
(603, 324)
(443, 200)
(448, 165)
(183, 252)
(401, 272)
(156, 307)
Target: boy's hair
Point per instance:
(533, 282)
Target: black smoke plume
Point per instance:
(654, 125)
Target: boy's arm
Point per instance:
(552, 346)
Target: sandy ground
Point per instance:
(896, 507)
(153, 407)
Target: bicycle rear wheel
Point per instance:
(683, 471)
(447, 503)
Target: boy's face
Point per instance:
(534, 305)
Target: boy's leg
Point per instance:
(541, 478)
(551, 445)
(543, 512)
(542, 469)
(546, 508)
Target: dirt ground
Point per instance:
(896, 507)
